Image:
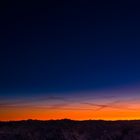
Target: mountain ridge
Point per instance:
(67, 129)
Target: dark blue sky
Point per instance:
(69, 46)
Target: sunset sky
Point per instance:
(70, 59)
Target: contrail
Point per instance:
(109, 105)
(65, 105)
(43, 99)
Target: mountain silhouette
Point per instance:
(70, 130)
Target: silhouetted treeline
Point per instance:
(70, 130)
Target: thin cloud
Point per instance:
(109, 105)
(63, 104)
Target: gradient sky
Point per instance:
(70, 59)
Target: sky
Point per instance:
(70, 59)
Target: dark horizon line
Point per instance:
(67, 119)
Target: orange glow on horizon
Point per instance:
(105, 106)
(42, 114)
